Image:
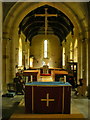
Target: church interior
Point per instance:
(45, 68)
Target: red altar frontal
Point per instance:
(47, 97)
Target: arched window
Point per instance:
(20, 52)
(31, 62)
(71, 54)
(75, 51)
(45, 49)
(63, 57)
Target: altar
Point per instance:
(48, 97)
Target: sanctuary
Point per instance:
(47, 93)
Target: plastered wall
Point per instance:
(54, 50)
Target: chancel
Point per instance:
(45, 60)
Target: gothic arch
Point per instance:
(20, 10)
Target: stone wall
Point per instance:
(54, 50)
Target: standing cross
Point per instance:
(47, 100)
(46, 21)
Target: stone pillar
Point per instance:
(82, 60)
(12, 59)
(4, 57)
(0, 44)
(88, 4)
(0, 59)
(7, 61)
(89, 67)
(14, 47)
(79, 57)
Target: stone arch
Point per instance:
(21, 9)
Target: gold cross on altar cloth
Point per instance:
(47, 100)
(46, 21)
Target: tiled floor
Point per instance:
(9, 104)
(79, 104)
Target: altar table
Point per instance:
(48, 97)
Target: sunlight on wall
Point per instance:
(76, 51)
(20, 52)
(71, 51)
(28, 56)
(87, 66)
